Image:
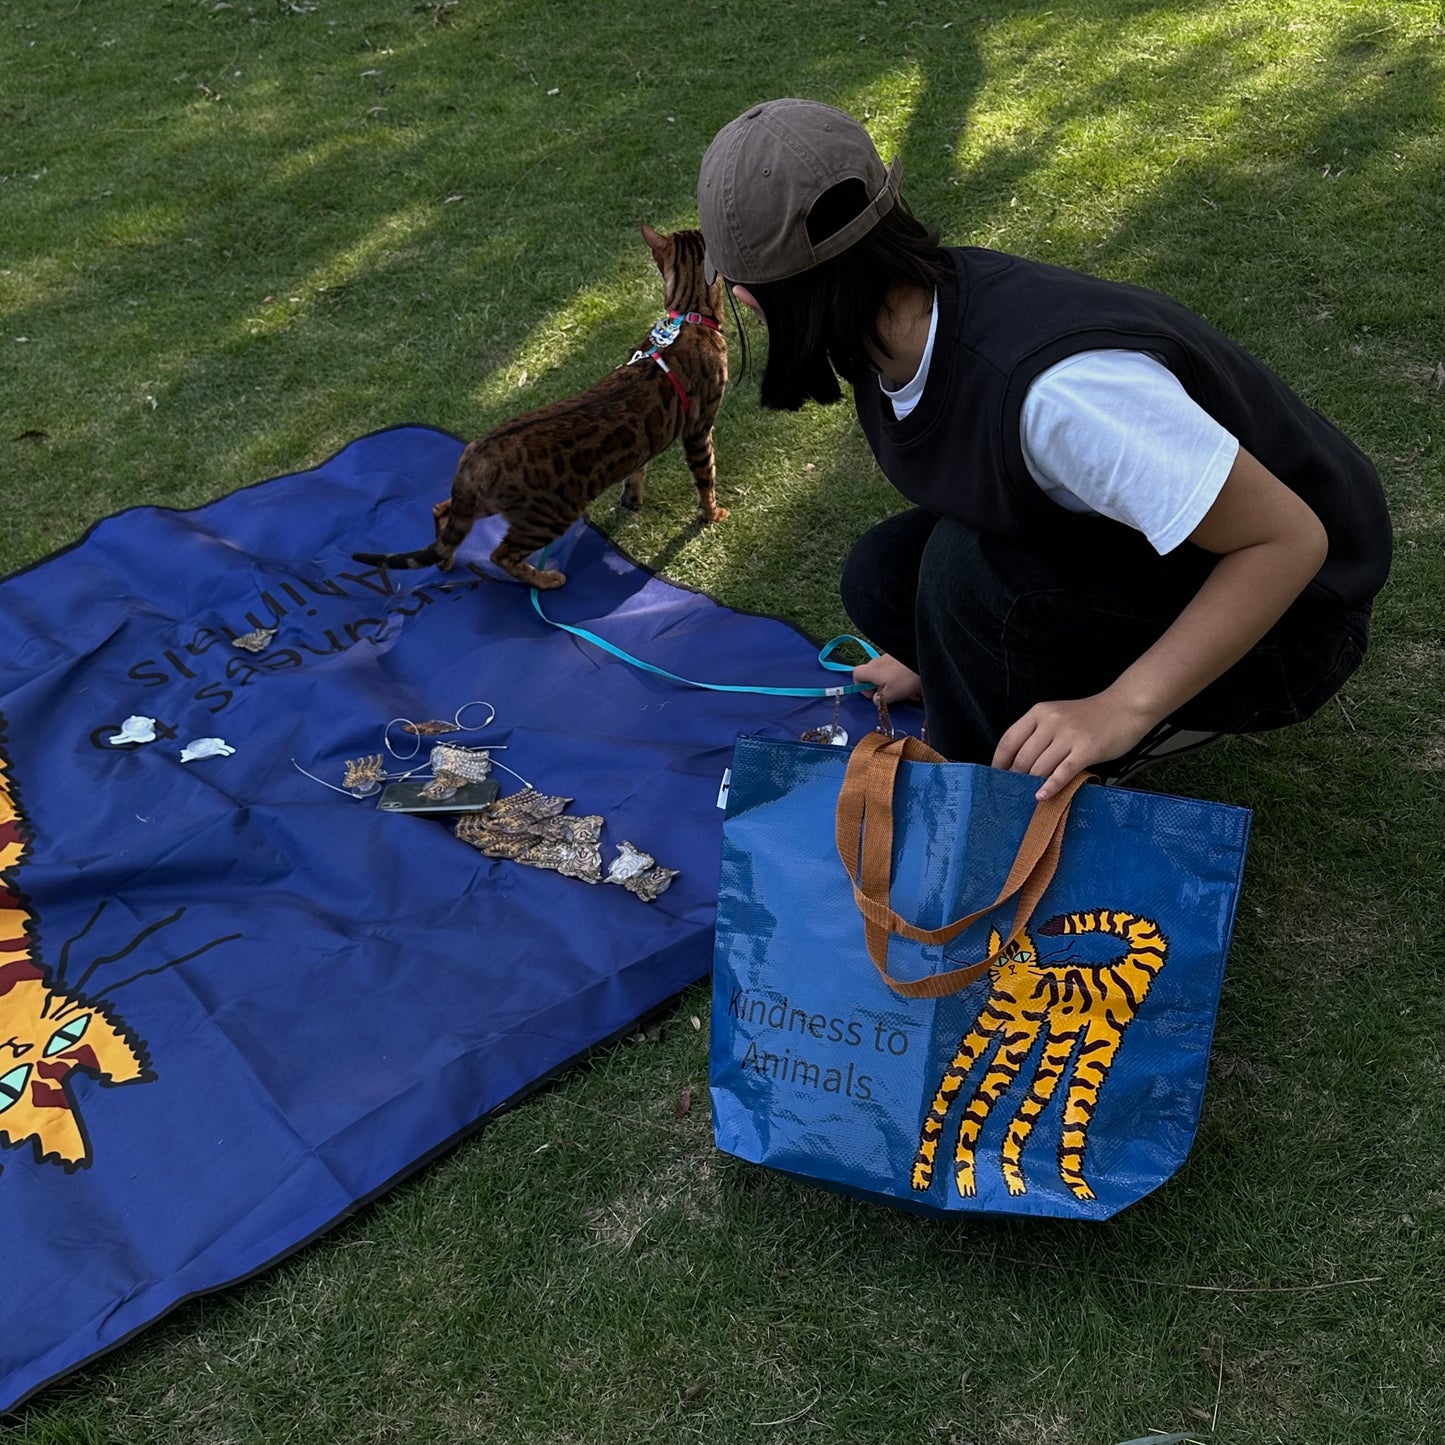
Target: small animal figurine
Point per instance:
(542, 469)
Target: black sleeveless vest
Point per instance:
(1003, 320)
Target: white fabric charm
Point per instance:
(135, 730)
(206, 748)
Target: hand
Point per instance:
(890, 680)
(1056, 741)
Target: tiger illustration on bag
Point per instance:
(1078, 1010)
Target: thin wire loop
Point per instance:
(423, 767)
(345, 791)
(386, 738)
(457, 726)
(513, 772)
(476, 727)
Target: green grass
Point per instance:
(235, 236)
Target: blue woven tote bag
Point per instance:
(933, 992)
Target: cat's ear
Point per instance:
(657, 244)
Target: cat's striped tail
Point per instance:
(1147, 946)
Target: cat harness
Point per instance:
(662, 336)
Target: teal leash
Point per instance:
(823, 660)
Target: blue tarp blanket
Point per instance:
(236, 1003)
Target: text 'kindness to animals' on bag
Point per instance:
(932, 991)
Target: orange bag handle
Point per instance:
(865, 844)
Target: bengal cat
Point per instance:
(542, 469)
(1079, 1009)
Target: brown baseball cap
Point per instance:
(761, 177)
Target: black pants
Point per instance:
(993, 629)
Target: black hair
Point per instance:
(821, 321)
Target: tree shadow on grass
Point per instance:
(248, 263)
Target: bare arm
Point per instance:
(1270, 544)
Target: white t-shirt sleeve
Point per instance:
(1114, 432)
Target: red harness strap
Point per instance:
(658, 342)
(696, 317)
(676, 384)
